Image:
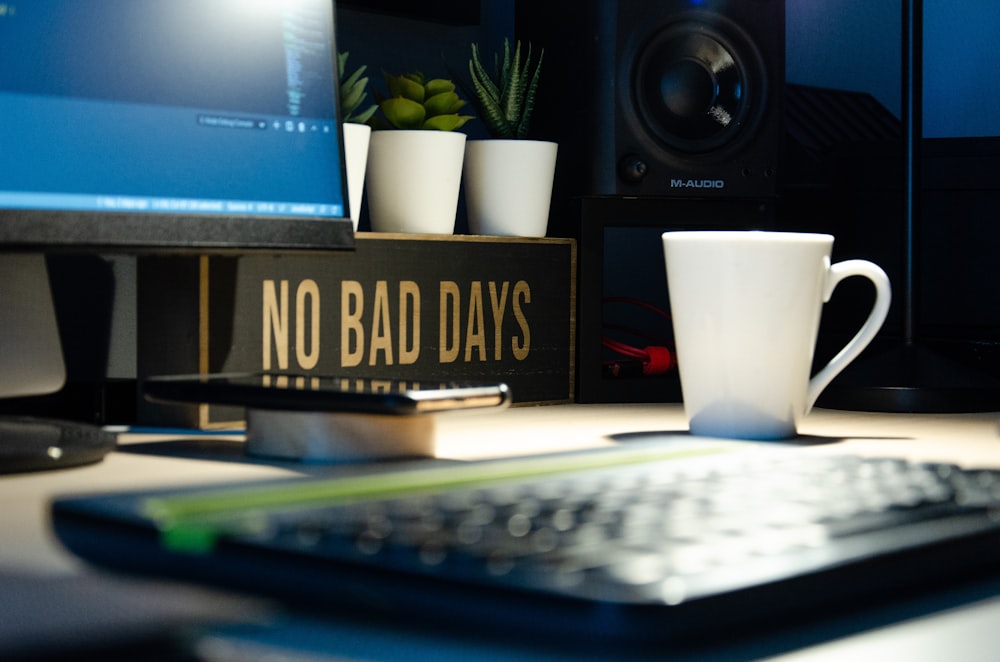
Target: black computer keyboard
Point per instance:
(638, 541)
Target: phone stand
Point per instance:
(338, 436)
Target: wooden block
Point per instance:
(412, 307)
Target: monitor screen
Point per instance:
(960, 174)
(961, 79)
(207, 124)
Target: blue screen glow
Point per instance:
(202, 106)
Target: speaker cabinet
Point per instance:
(677, 98)
(620, 256)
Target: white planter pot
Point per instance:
(356, 137)
(413, 180)
(508, 186)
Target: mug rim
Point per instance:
(746, 235)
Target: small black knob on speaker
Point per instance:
(632, 169)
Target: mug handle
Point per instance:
(883, 296)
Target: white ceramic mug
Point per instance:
(746, 310)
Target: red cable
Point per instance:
(655, 359)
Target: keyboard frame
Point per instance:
(117, 532)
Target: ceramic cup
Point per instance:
(746, 309)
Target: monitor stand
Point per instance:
(31, 363)
(910, 377)
(38, 444)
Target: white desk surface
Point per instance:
(28, 548)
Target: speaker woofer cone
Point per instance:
(695, 87)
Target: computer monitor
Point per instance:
(137, 126)
(947, 359)
(960, 170)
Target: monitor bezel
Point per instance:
(141, 233)
(137, 233)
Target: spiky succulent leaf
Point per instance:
(513, 95)
(505, 100)
(350, 98)
(487, 95)
(492, 115)
(353, 91)
(480, 76)
(352, 81)
(364, 116)
(528, 107)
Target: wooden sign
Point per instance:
(413, 307)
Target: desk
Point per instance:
(36, 572)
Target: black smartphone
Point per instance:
(313, 393)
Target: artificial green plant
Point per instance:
(505, 97)
(416, 103)
(353, 91)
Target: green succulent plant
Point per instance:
(505, 97)
(416, 103)
(353, 91)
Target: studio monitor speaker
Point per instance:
(660, 97)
